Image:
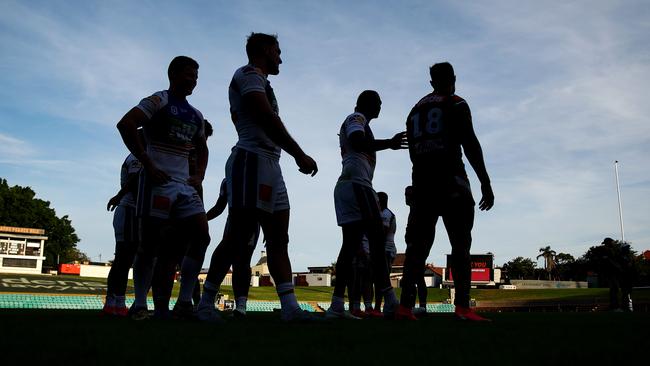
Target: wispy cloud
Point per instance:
(557, 93)
(12, 148)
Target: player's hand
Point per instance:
(306, 165)
(157, 176)
(487, 201)
(399, 141)
(113, 202)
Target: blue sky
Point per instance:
(557, 91)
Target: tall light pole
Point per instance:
(620, 206)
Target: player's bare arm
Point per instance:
(128, 127)
(474, 154)
(218, 208)
(130, 186)
(202, 154)
(263, 114)
(360, 143)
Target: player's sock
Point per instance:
(240, 303)
(368, 305)
(110, 301)
(355, 306)
(190, 269)
(338, 304)
(120, 301)
(209, 295)
(390, 300)
(288, 301)
(142, 273)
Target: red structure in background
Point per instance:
(70, 269)
(482, 268)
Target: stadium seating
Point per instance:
(89, 302)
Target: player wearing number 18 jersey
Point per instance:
(439, 129)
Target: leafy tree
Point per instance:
(19, 207)
(643, 267)
(549, 259)
(520, 268)
(565, 267)
(564, 258)
(611, 260)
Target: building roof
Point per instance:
(263, 259)
(21, 230)
(400, 258)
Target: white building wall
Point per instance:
(319, 279)
(89, 270)
(16, 246)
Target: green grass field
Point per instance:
(96, 286)
(83, 338)
(78, 337)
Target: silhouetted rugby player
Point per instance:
(255, 186)
(357, 205)
(439, 128)
(167, 193)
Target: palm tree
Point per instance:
(549, 259)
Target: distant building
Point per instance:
(312, 279)
(22, 250)
(320, 269)
(432, 275)
(262, 266)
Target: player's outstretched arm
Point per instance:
(258, 105)
(360, 143)
(128, 127)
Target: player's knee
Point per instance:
(278, 242)
(204, 238)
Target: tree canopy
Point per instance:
(20, 207)
(520, 268)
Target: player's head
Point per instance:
(443, 78)
(383, 199)
(369, 104)
(264, 48)
(408, 195)
(208, 129)
(183, 72)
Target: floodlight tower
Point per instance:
(620, 206)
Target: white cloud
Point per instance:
(12, 148)
(557, 93)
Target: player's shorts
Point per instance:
(255, 181)
(172, 200)
(443, 196)
(125, 224)
(355, 202)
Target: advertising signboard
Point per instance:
(481, 264)
(71, 269)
